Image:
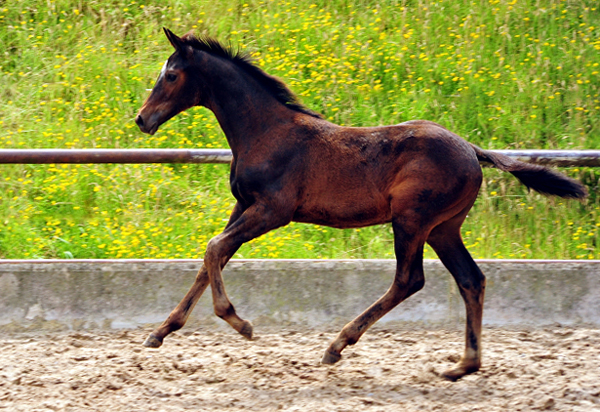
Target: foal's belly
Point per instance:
(344, 213)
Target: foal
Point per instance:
(289, 164)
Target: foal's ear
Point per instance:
(177, 43)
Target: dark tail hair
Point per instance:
(538, 178)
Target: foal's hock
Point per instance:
(290, 164)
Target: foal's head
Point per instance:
(196, 74)
(175, 90)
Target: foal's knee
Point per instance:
(212, 250)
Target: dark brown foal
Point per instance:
(289, 164)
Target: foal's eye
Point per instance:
(171, 77)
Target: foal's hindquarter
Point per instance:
(424, 180)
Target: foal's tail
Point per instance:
(538, 178)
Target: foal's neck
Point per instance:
(246, 111)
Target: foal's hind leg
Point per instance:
(182, 311)
(409, 279)
(447, 243)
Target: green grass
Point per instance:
(502, 74)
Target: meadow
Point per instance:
(504, 74)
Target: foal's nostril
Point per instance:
(139, 120)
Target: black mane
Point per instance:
(276, 87)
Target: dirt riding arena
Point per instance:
(555, 368)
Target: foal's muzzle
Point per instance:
(144, 126)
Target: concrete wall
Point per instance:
(76, 294)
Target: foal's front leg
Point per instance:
(255, 221)
(182, 311)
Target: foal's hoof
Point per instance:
(330, 358)
(460, 371)
(246, 330)
(152, 341)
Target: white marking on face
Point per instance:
(163, 70)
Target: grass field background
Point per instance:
(502, 74)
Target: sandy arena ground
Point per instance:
(556, 368)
